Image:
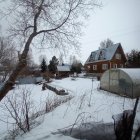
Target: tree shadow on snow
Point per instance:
(91, 131)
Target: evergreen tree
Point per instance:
(53, 64)
(43, 65)
(133, 59)
(76, 67)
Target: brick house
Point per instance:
(103, 59)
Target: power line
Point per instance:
(115, 34)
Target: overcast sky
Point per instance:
(118, 20)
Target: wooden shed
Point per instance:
(63, 70)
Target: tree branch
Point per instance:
(37, 15)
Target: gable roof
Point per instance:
(107, 54)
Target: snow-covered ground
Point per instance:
(89, 104)
(38, 100)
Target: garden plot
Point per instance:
(90, 104)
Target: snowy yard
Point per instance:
(88, 105)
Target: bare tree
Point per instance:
(28, 69)
(61, 56)
(73, 60)
(7, 57)
(106, 43)
(7, 50)
(41, 57)
(29, 59)
(20, 107)
(57, 23)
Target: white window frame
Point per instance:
(94, 67)
(104, 66)
(118, 56)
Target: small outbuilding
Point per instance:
(125, 82)
(63, 70)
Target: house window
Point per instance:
(118, 56)
(104, 66)
(114, 65)
(92, 56)
(102, 55)
(94, 67)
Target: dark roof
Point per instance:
(103, 54)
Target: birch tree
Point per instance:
(55, 23)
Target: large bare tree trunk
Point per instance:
(41, 18)
(21, 64)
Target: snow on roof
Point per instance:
(107, 54)
(63, 68)
(134, 73)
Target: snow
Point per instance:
(38, 98)
(108, 53)
(88, 105)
